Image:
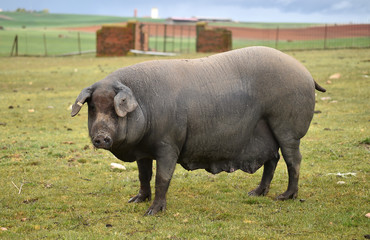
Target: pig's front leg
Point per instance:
(166, 163)
(145, 175)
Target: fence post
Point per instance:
(369, 34)
(156, 37)
(79, 43)
(189, 39)
(277, 37)
(164, 36)
(173, 38)
(26, 44)
(15, 46)
(326, 35)
(46, 50)
(148, 27)
(141, 37)
(181, 38)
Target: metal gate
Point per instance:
(168, 38)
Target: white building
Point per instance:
(154, 13)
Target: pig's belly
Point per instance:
(247, 153)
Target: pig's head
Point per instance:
(114, 115)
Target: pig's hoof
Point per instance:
(287, 195)
(155, 208)
(140, 198)
(259, 191)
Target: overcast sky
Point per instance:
(316, 11)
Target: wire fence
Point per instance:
(171, 38)
(311, 38)
(46, 43)
(181, 38)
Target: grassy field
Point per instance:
(47, 20)
(45, 34)
(54, 185)
(46, 42)
(21, 20)
(54, 42)
(32, 27)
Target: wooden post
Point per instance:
(164, 38)
(189, 39)
(200, 27)
(173, 38)
(148, 47)
(26, 44)
(45, 47)
(134, 27)
(368, 28)
(15, 46)
(156, 37)
(325, 35)
(79, 43)
(277, 37)
(141, 37)
(181, 30)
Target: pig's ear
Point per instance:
(81, 99)
(124, 101)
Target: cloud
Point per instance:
(341, 5)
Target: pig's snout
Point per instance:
(102, 141)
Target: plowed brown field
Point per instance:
(309, 33)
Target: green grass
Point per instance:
(46, 42)
(69, 191)
(47, 20)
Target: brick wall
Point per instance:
(213, 40)
(115, 40)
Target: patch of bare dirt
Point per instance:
(288, 34)
(5, 17)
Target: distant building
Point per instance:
(174, 20)
(207, 19)
(154, 13)
(181, 20)
(1, 9)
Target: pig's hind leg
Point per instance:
(268, 173)
(265, 146)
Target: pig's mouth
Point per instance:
(102, 141)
